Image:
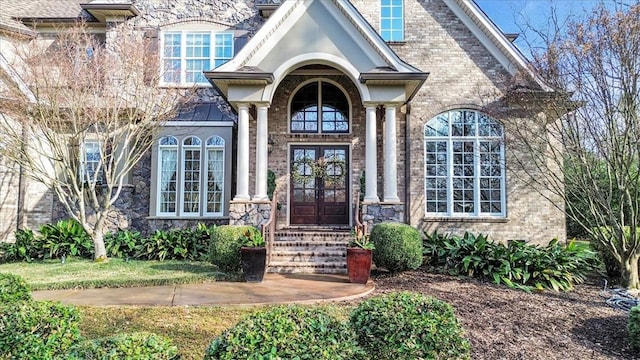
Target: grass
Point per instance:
(79, 273)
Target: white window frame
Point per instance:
(162, 148)
(215, 59)
(214, 142)
(86, 174)
(388, 33)
(476, 139)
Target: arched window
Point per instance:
(464, 165)
(167, 174)
(215, 175)
(191, 148)
(319, 107)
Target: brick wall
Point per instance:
(463, 74)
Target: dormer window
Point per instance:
(186, 54)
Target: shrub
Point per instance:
(66, 237)
(139, 346)
(517, 264)
(408, 326)
(286, 332)
(398, 247)
(179, 244)
(224, 250)
(123, 243)
(634, 329)
(38, 329)
(26, 247)
(13, 289)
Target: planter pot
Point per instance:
(254, 263)
(359, 265)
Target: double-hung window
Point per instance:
(190, 176)
(464, 165)
(392, 20)
(91, 167)
(186, 54)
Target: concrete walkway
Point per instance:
(275, 289)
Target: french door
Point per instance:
(319, 185)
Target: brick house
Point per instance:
(402, 100)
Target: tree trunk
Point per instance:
(100, 252)
(630, 272)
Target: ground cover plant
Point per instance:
(516, 264)
(408, 325)
(286, 332)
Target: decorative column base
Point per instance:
(249, 213)
(376, 213)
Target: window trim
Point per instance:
(319, 82)
(183, 52)
(220, 147)
(391, 30)
(84, 162)
(476, 139)
(180, 148)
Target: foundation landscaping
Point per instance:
(465, 297)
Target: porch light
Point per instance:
(270, 143)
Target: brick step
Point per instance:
(308, 267)
(319, 251)
(314, 256)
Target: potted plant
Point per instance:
(359, 255)
(253, 254)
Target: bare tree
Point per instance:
(596, 64)
(90, 111)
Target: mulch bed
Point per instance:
(502, 323)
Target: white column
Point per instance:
(242, 170)
(390, 156)
(262, 135)
(371, 164)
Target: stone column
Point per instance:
(371, 164)
(390, 156)
(262, 135)
(242, 171)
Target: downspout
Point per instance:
(20, 213)
(407, 164)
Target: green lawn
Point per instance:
(78, 273)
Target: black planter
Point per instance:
(254, 263)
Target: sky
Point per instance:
(509, 14)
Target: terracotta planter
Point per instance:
(254, 263)
(359, 265)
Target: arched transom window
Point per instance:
(464, 165)
(319, 107)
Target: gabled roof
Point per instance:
(493, 39)
(326, 32)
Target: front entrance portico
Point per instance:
(382, 84)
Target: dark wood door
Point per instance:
(319, 191)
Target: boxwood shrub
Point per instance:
(398, 247)
(634, 329)
(408, 325)
(38, 330)
(138, 345)
(286, 332)
(13, 289)
(224, 249)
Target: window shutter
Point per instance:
(151, 44)
(239, 42)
